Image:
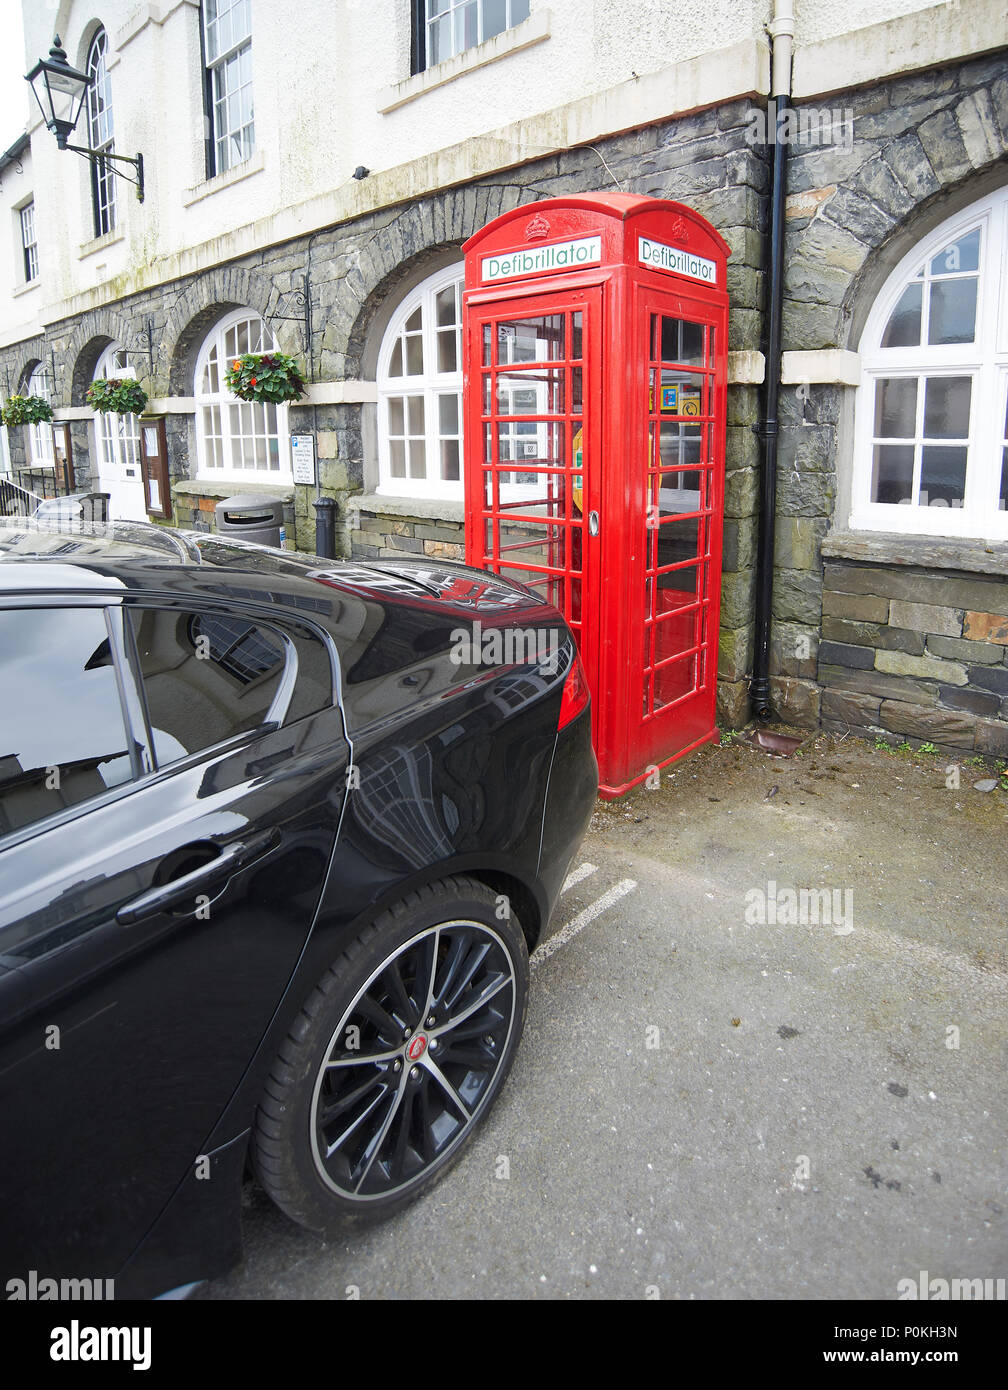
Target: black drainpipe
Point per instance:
(759, 691)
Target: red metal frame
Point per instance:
(600, 392)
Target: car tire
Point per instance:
(340, 1139)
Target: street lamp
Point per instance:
(60, 91)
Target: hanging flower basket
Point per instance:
(118, 395)
(271, 378)
(26, 410)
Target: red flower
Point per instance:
(252, 382)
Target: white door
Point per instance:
(118, 451)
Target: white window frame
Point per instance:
(29, 249)
(101, 134)
(40, 436)
(117, 436)
(223, 400)
(452, 13)
(229, 74)
(985, 360)
(430, 385)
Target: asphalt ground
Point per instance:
(713, 1100)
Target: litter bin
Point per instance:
(254, 518)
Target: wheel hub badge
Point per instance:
(417, 1048)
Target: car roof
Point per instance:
(88, 558)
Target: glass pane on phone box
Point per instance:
(531, 340)
(682, 341)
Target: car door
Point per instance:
(172, 780)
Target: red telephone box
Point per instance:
(595, 400)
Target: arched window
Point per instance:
(931, 452)
(101, 134)
(238, 439)
(40, 437)
(118, 435)
(420, 391)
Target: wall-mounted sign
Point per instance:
(154, 466)
(554, 255)
(661, 257)
(303, 458)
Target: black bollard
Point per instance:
(325, 527)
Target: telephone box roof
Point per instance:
(618, 206)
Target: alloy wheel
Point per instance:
(407, 1071)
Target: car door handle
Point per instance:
(231, 858)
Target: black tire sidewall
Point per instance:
(293, 1079)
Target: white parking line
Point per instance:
(582, 920)
(576, 875)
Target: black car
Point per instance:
(277, 835)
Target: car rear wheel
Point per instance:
(395, 1058)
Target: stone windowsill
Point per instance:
(927, 552)
(427, 508)
(194, 487)
(18, 290)
(99, 243)
(209, 187)
(530, 31)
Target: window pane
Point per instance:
(953, 311)
(415, 413)
(494, 17)
(439, 41)
(531, 340)
(681, 341)
(207, 676)
(397, 418)
(447, 359)
(519, 10)
(414, 356)
(448, 414)
(62, 738)
(1003, 495)
(903, 328)
(963, 254)
(892, 474)
(417, 458)
(397, 458)
(450, 472)
(896, 407)
(446, 311)
(395, 362)
(943, 476)
(947, 407)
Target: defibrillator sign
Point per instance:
(661, 257)
(557, 255)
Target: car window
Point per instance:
(62, 734)
(206, 677)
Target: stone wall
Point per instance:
(380, 533)
(916, 652)
(921, 146)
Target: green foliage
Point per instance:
(26, 410)
(928, 748)
(266, 377)
(117, 395)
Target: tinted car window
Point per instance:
(62, 735)
(207, 676)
